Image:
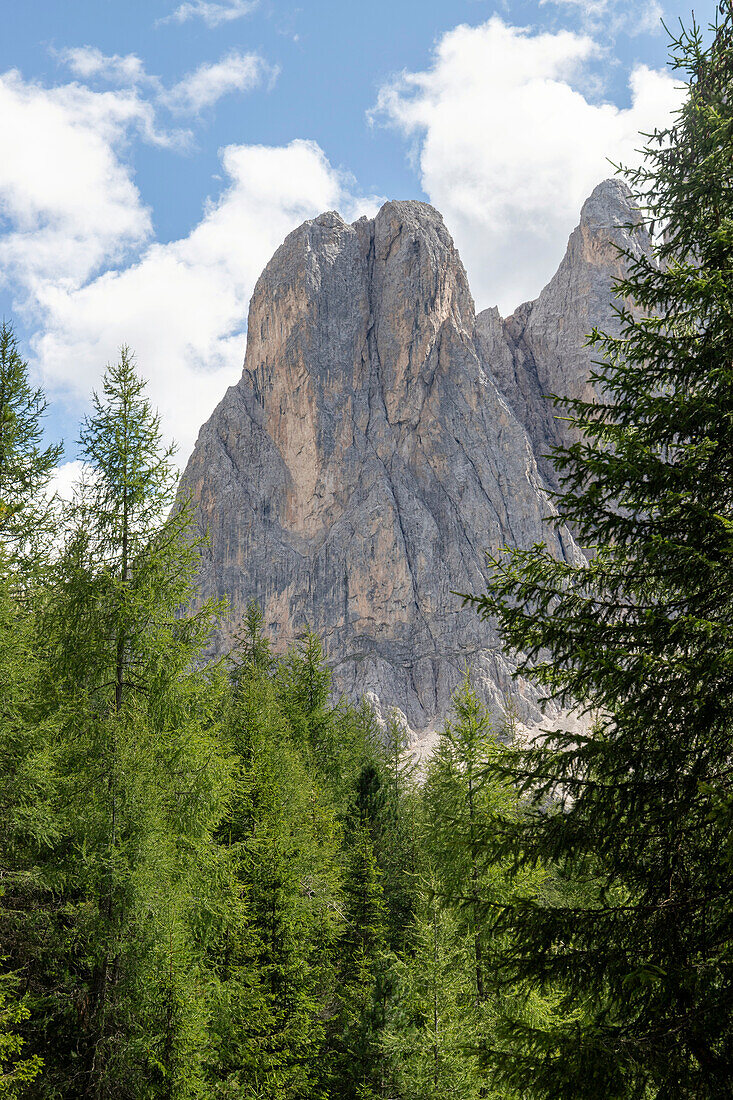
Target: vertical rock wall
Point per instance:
(382, 438)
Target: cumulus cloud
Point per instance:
(212, 13)
(78, 251)
(182, 306)
(65, 478)
(68, 201)
(508, 146)
(236, 72)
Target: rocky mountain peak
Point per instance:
(382, 438)
(541, 349)
(609, 205)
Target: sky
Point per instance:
(155, 153)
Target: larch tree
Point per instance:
(429, 1039)
(28, 788)
(143, 777)
(25, 464)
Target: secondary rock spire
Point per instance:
(382, 438)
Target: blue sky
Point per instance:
(157, 152)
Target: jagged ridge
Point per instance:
(367, 459)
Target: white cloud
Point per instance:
(88, 62)
(182, 306)
(212, 13)
(611, 16)
(236, 72)
(64, 480)
(68, 200)
(508, 147)
(78, 255)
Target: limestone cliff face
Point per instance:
(355, 476)
(540, 349)
(382, 438)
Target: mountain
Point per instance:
(382, 438)
(541, 349)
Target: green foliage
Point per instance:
(141, 777)
(218, 882)
(429, 1041)
(25, 466)
(354, 1069)
(252, 651)
(468, 802)
(398, 841)
(282, 842)
(16, 1072)
(27, 780)
(640, 944)
(28, 783)
(304, 683)
(212, 884)
(461, 804)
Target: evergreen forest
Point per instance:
(219, 880)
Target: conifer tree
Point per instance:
(30, 818)
(16, 1072)
(305, 684)
(640, 637)
(143, 778)
(25, 465)
(430, 1040)
(355, 1068)
(462, 800)
(468, 802)
(397, 841)
(355, 743)
(252, 651)
(281, 836)
(338, 740)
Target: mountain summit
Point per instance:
(541, 349)
(382, 438)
